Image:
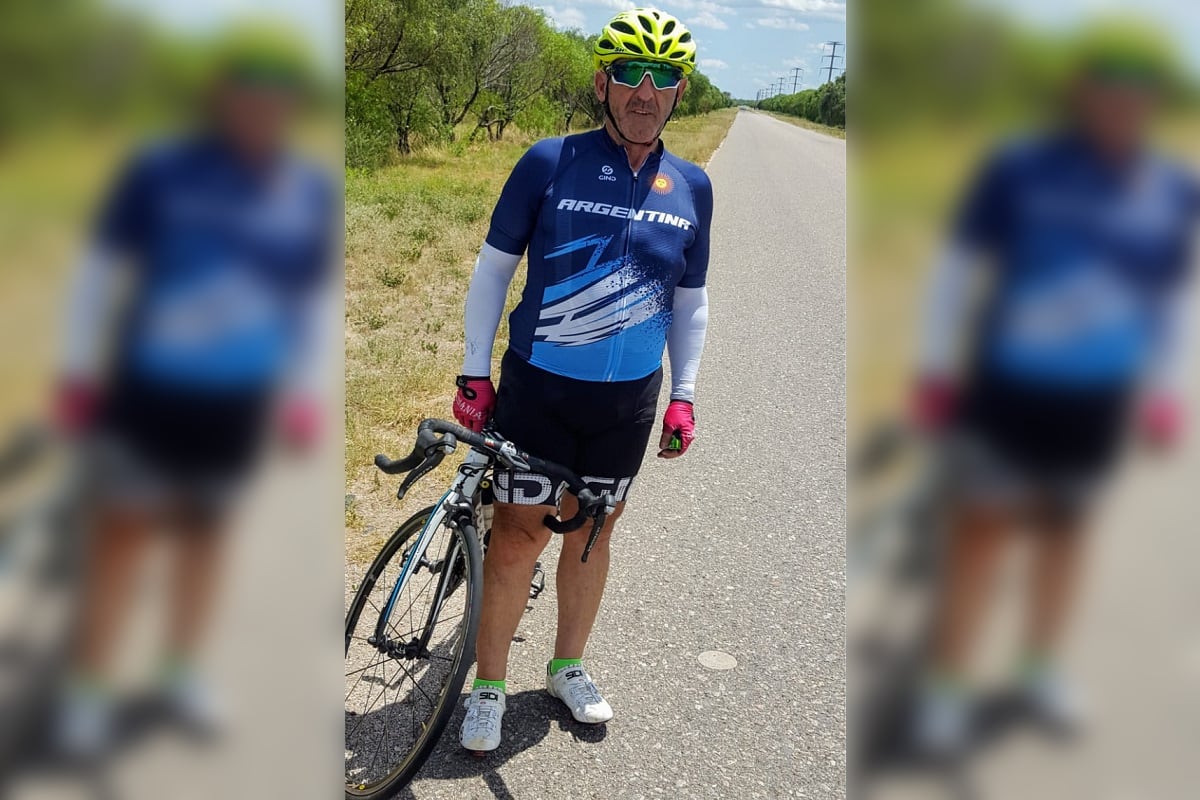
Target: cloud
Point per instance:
(713, 63)
(565, 18)
(707, 19)
(828, 9)
(782, 23)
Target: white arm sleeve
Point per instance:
(947, 309)
(685, 340)
(494, 270)
(1169, 361)
(321, 330)
(91, 295)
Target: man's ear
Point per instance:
(682, 88)
(600, 84)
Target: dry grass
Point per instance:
(799, 122)
(412, 233)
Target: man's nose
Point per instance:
(645, 89)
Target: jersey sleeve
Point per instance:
(984, 213)
(123, 221)
(695, 272)
(520, 202)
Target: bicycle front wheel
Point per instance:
(401, 687)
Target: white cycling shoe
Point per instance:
(481, 727)
(941, 726)
(574, 687)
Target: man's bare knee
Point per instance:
(518, 533)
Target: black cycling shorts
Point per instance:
(1048, 433)
(597, 430)
(183, 440)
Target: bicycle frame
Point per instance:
(462, 489)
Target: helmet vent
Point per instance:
(670, 26)
(650, 48)
(647, 25)
(623, 26)
(685, 37)
(605, 44)
(677, 54)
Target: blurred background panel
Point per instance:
(937, 88)
(115, 115)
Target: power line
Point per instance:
(833, 56)
(796, 77)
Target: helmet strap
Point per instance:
(608, 113)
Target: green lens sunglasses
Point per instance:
(632, 73)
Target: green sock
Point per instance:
(500, 686)
(1031, 664)
(558, 663)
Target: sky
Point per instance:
(742, 45)
(319, 21)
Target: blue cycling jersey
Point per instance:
(1086, 257)
(225, 259)
(606, 249)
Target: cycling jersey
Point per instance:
(606, 250)
(226, 261)
(1087, 259)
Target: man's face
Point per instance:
(640, 112)
(254, 117)
(1115, 114)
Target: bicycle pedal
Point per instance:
(538, 584)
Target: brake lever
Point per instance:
(608, 507)
(432, 459)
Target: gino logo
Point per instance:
(662, 183)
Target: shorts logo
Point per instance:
(525, 488)
(662, 184)
(606, 174)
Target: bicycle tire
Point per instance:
(469, 586)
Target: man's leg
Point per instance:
(1058, 554)
(580, 586)
(198, 550)
(116, 543)
(518, 538)
(942, 722)
(974, 540)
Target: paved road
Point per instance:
(737, 547)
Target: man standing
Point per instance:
(617, 234)
(192, 317)
(1084, 234)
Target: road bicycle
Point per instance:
(411, 626)
(900, 486)
(41, 494)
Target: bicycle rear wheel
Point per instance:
(401, 691)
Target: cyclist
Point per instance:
(617, 234)
(194, 308)
(1084, 236)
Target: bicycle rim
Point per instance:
(398, 701)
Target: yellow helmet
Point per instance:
(645, 33)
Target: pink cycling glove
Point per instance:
(475, 401)
(933, 404)
(1162, 421)
(678, 419)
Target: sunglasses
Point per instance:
(632, 73)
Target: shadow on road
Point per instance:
(998, 715)
(528, 717)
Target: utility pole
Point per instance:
(781, 83)
(796, 77)
(833, 56)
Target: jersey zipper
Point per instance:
(614, 356)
